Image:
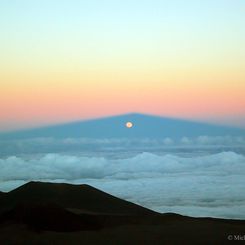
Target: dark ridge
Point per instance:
(82, 197)
(47, 217)
(47, 213)
(51, 217)
(2, 195)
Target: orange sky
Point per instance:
(60, 64)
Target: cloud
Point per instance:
(47, 145)
(197, 185)
(57, 166)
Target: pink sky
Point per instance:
(78, 61)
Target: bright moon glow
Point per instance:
(129, 124)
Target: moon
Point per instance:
(129, 124)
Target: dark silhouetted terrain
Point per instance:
(82, 197)
(46, 213)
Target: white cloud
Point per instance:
(186, 141)
(46, 145)
(198, 185)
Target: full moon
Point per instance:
(129, 124)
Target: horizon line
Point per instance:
(193, 120)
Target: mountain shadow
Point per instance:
(144, 126)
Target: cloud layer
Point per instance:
(210, 185)
(68, 145)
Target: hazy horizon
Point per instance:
(171, 166)
(219, 124)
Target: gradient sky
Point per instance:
(69, 60)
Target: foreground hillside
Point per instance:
(45, 213)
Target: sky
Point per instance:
(69, 60)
